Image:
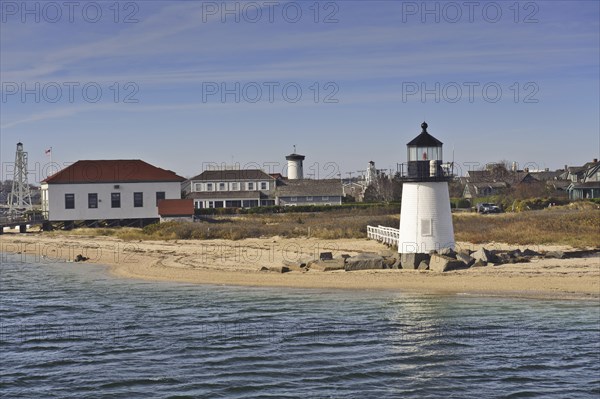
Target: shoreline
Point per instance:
(237, 263)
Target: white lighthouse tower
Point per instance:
(295, 170)
(425, 218)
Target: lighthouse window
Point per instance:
(426, 227)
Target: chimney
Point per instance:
(595, 160)
(566, 168)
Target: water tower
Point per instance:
(295, 170)
(425, 218)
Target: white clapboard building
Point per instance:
(108, 190)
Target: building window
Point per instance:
(264, 185)
(309, 198)
(250, 186)
(218, 204)
(138, 200)
(69, 201)
(115, 200)
(222, 187)
(160, 195)
(325, 198)
(294, 199)
(197, 187)
(209, 187)
(93, 200)
(235, 186)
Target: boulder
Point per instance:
(296, 264)
(327, 265)
(447, 252)
(412, 260)
(529, 252)
(484, 255)
(466, 258)
(555, 255)
(479, 263)
(364, 262)
(397, 264)
(276, 269)
(80, 258)
(424, 265)
(325, 256)
(389, 262)
(442, 263)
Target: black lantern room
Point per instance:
(425, 157)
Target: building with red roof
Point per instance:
(111, 190)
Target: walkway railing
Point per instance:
(386, 235)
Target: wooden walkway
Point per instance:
(386, 235)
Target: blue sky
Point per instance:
(369, 73)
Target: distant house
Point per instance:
(483, 183)
(589, 184)
(176, 210)
(484, 189)
(309, 192)
(110, 190)
(234, 188)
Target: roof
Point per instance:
(546, 175)
(591, 184)
(424, 139)
(295, 157)
(488, 176)
(112, 171)
(307, 187)
(176, 207)
(232, 174)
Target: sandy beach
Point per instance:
(225, 262)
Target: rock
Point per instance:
(483, 255)
(364, 262)
(81, 258)
(529, 252)
(555, 255)
(466, 258)
(276, 269)
(479, 263)
(388, 263)
(412, 260)
(441, 263)
(325, 256)
(447, 252)
(328, 265)
(345, 256)
(296, 264)
(424, 265)
(397, 264)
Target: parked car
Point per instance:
(486, 207)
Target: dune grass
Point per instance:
(560, 225)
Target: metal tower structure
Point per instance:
(19, 200)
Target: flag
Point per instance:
(48, 151)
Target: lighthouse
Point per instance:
(425, 217)
(295, 169)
